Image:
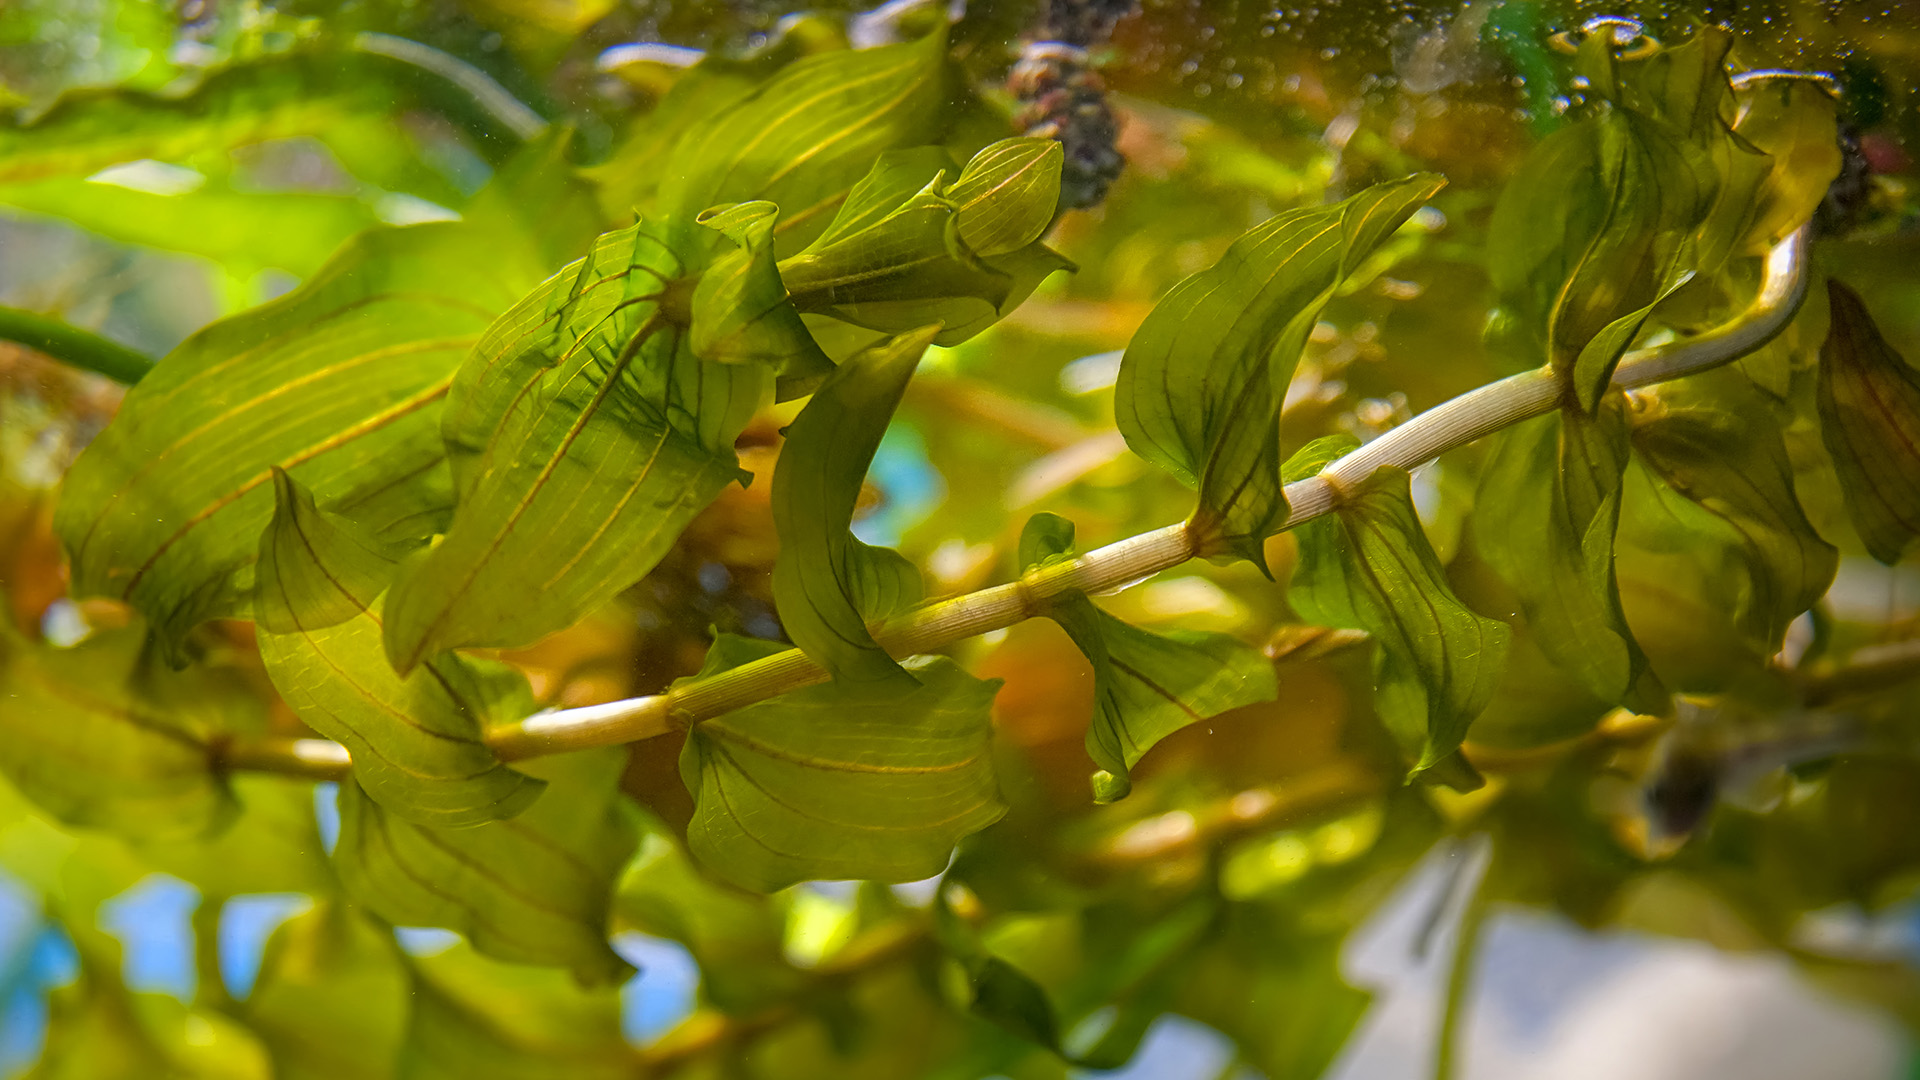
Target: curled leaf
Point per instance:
(831, 782)
(1203, 379)
(1146, 685)
(826, 583)
(415, 741)
(1368, 566)
(534, 890)
(1870, 420)
(584, 434)
(907, 250)
(740, 309)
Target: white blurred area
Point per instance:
(1552, 1000)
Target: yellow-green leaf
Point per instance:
(741, 313)
(1870, 419)
(104, 735)
(1203, 379)
(1368, 566)
(533, 890)
(1146, 685)
(907, 250)
(584, 434)
(826, 583)
(415, 741)
(828, 782)
(339, 383)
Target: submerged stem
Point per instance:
(1445, 427)
(73, 346)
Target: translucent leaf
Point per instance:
(1203, 379)
(1146, 685)
(584, 434)
(907, 250)
(1792, 121)
(330, 1002)
(1368, 566)
(803, 137)
(415, 741)
(1714, 442)
(104, 735)
(339, 383)
(629, 181)
(1544, 519)
(473, 1019)
(533, 890)
(828, 782)
(826, 583)
(282, 97)
(244, 231)
(740, 308)
(1870, 420)
(736, 937)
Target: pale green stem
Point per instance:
(1447, 426)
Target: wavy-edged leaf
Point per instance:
(533, 890)
(804, 136)
(1612, 212)
(1544, 518)
(736, 937)
(1368, 566)
(1792, 121)
(473, 1019)
(415, 741)
(1870, 420)
(104, 736)
(280, 97)
(330, 999)
(907, 250)
(824, 782)
(1713, 441)
(584, 434)
(339, 383)
(826, 583)
(741, 313)
(1203, 379)
(1146, 686)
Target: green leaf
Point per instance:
(906, 250)
(280, 97)
(1146, 686)
(243, 231)
(415, 741)
(736, 937)
(533, 890)
(1203, 379)
(1368, 566)
(339, 383)
(1544, 519)
(824, 782)
(804, 136)
(1791, 121)
(104, 735)
(583, 435)
(472, 1019)
(629, 181)
(1713, 441)
(330, 1002)
(1590, 232)
(741, 313)
(826, 583)
(1870, 421)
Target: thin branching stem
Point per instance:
(1445, 427)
